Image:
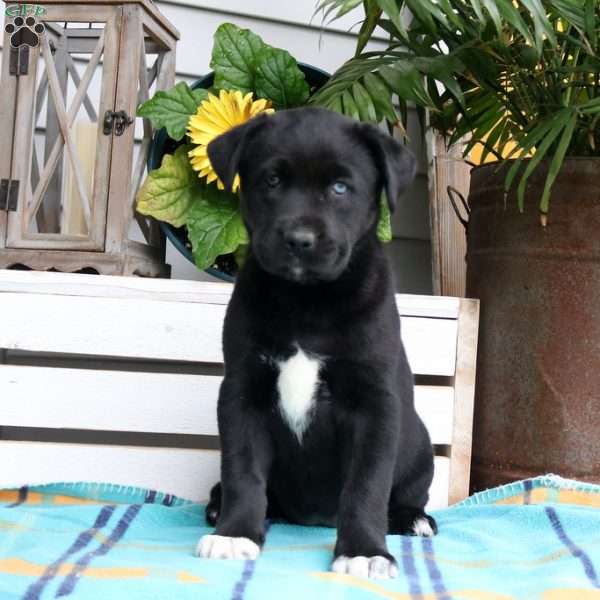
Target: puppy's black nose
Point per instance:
(300, 240)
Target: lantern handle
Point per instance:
(452, 191)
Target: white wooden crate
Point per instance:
(129, 369)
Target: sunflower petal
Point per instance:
(215, 116)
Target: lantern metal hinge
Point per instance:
(9, 194)
(18, 62)
(116, 122)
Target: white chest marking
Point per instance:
(297, 384)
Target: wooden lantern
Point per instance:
(73, 153)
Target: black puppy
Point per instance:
(316, 411)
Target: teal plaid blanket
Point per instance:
(534, 540)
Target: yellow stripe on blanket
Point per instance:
(24, 568)
(536, 496)
(580, 498)
(571, 594)
(380, 591)
(12, 496)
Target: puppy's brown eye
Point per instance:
(273, 180)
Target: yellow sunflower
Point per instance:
(214, 117)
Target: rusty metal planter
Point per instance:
(537, 407)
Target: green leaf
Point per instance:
(381, 95)
(407, 82)
(372, 16)
(214, 225)
(366, 109)
(341, 6)
(559, 122)
(279, 79)
(512, 16)
(492, 9)
(169, 191)
(350, 108)
(524, 145)
(234, 58)
(384, 225)
(557, 160)
(172, 108)
(390, 8)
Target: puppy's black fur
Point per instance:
(317, 278)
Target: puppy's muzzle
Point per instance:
(299, 241)
(301, 249)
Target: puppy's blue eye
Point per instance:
(273, 180)
(339, 187)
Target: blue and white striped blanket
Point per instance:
(534, 540)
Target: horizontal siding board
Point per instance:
(299, 12)
(324, 49)
(185, 473)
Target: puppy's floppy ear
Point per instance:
(225, 151)
(397, 165)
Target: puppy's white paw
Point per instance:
(368, 567)
(220, 546)
(422, 527)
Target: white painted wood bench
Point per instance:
(115, 379)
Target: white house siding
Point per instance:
(287, 24)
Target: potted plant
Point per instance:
(182, 191)
(522, 81)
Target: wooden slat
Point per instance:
(438, 492)
(435, 405)
(112, 327)
(462, 435)
(120, 212)
(170, 331)
(430, 345)
(8, 83)
(148, 402)
(68, 284)
(108, 400)
(448, 241)
(438, 307)
(185, 473)
(71, 10)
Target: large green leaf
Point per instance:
(169, 191)
(172, 108)
(214, 225)
(234, 58)
(279, 79)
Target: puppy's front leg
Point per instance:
(370, 428)
(245, 462)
